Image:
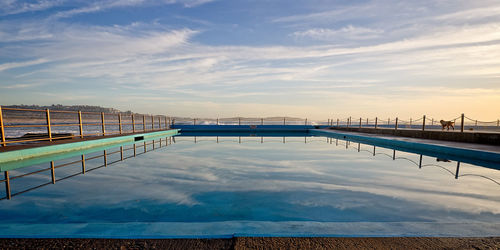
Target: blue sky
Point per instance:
(215, 58)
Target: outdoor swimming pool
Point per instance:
(272, 185)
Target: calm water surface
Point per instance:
(258, 186)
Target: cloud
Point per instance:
(7, 66)
(346, 33)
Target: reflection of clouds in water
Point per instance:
(206, 178)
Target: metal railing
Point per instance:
(246, 121)
(461, 123)
(83, 161)
(30, 125)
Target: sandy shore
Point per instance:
(258, 243)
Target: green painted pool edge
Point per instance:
(23, 154)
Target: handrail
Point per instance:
(16, 122)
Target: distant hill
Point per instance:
(84, 108)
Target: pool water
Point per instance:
(210, 186)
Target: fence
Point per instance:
(30, 125)
(461, 123)
(83, 161)
(244, 121)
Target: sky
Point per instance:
(313, 59)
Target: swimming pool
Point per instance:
(273, 184)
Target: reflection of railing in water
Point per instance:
(346, 144)
(7, 179)
(419, 164)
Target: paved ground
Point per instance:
(483, 147)
(258, 243)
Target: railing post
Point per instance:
(367, 122)
(458, 168)
(306, 122)
(347, 125)
(410, 122)
(423, 123)
(194, 121)
(80, 123)
(239, 120)
(376, 121)
(7, 184)
(144, 123)
(498, 123)
(475, 126)
(328, 121)
(159, 122)
(120, 122)
(49, 130)
(388, 121)
(396, 124)
(217, 121)
(284, 121)
(152, 122)
(2, 130)
(432, 122)
(261, 121)
(103, 124)
(53, 172)
(337, 122)
(133, 123)
(360, 122)
(462, 123)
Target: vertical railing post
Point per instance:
(166, 125)
(80, 123)
(2, 130)
(217, 123)
(133, 123)
(337, 122)
(152, 122)
(328, 121)
(360, 122)
(194, 121)
(347, 125)
(462, 119)
(120, 122)
(49, 130)
(423, 123)
(367, 122)
(144, 123)
(239, 120)
(159, 122)
(475, 126)
(103, 124)
(396, 124)
(306, 122)
(388, 122)
(284, 121)
(410, 122)
(261, 121)
(376, 121)
(432, 122)
(53, 172)
(7, 184)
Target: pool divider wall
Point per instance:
(24, 154)
(463, 153)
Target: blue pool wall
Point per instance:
(478, 157)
